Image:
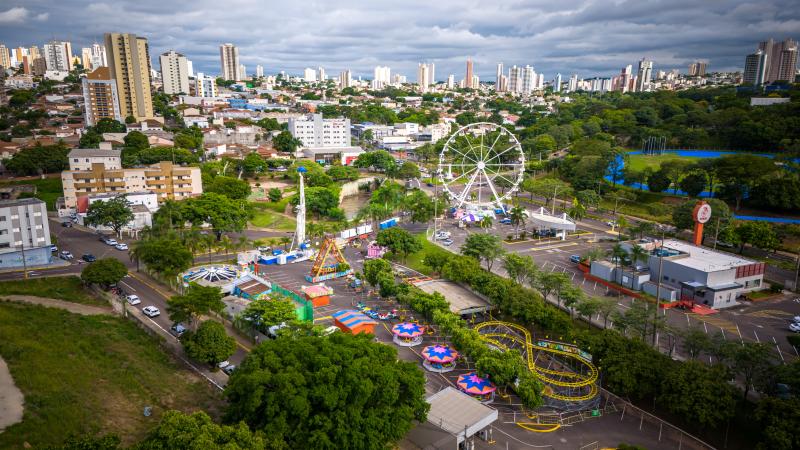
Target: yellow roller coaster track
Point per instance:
(541, 372)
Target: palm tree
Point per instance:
(193, 241)
(243, 243)
(486, 223)
(618, 255)
(638, 253)
(578, 211)
(517, 216)
(226, 243)
(285, 241)
(622, 223)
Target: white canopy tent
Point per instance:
(543, 220)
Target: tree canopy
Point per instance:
(114, 213)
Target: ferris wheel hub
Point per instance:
(481, 165)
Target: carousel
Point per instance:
(439, 358)
(479, 388)
(407, 334)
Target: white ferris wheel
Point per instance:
(481, 165)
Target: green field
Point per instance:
(266, 217)
(641, 162)
(48, 189)
(90, 374)
(62, 288)
(414, 260)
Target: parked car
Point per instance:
(330, 330)
(177, 329)
(111, 242)
(794, 326)
(796, 319)
(447, 242)
(65, 255)
(66, 224)
(151, 311)
(53, 248)
(443, 235)
(121, 246)
(133, 299)
(89, 257)
(227, 367)
(611, 223)
(575, 258)
(505, 221)
(265, 249)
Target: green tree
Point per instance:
(39, 159)
(756, 233)
(693, 183)
(253, 164)
(104, 272)
(114, 213)
(380, 160)
(165, 255)
(483, 247)
(230, 187)
(266, 312)
(209, 344)
(751, 361)
(695, 392)
(398, 241)
(136, 140)
(420, 206)
(373, 269)
(109, 126)
(274, 195)
(658, 181)
(285, 142)
(269, 124)
(408, 170)
(197, 300)
(695, 341)
(302, 389)
(683, 220)
(178, 430)
(518, 267)
(517, 215)
(222, 213)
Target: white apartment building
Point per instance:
(451, 81)
(321, 74)
(205, 86)
(423, 77)
(528, 80)
(259, 71)
(24, 230)
(58, 56)
(229, 60)
(314, 131)
(85, 158)
(309, 75)
(557, 83)
(174, 73)
(572, 86)
(382, 77)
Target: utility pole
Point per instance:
(24, 263)
(716, 234)
(797, 270)
(555, 193)
(658, 287)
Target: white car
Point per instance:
(443, 235)
(330, 330)
(151, 311)
(65, 255)
(794, 326)
(612, 223)
(796, 319)
(111, 242)
(121, 246)
(133, 299)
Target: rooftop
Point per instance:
(20, 202)
(93, 152)
(458, 413)
(701, 258)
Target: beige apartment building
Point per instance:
(129, 64)
(100, 97)
(97, 171)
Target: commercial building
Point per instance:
(100, 97)
(24, 233)
(205, 86)
(229, 60)
(58, 56)
(781, 60)
(314, 131)
(129, 64)
(174, 73)
(99, 171)
(755, 68)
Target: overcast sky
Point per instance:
(589, 38)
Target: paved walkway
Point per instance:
(11, 399)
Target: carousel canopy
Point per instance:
(440, 354)
(471, 383)
(407, 330)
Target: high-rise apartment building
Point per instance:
(242, 72)
(315, 132)
(451, 81)
(498, 76)
(528, 80)
(205, 86)
(259, 71)
(309, 75)
(100, 96)
(321, 76)
(345, 79)
(99, 58)
(572, 84)
(24, 233)
(86, 58)
(5, 57)
(423, 77)
(229, 59)
(644, 75)
(432, 74)
(58, 56)
(624, 79)
(469, 74)
(129, 65)
(515, 79)
(398, 80)
(382, 77)
(697, 69)
(756, 68)
(174, 73)
(557, 83)
(781, 59)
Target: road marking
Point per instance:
(150, 285)
(323, 318)
(769, 314)
(723, 324)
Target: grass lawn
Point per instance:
(92, 374)
(414, 260)
(265, 218)
(48, 189)
(62, 288)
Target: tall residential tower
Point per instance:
(129, 65)
(229, 59)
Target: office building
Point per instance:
(423, 77)
(469, 74)
(5, 57)
(129, 64)
(174, 73)
(315, 132)
(382, 77)
(259, 71)
(345, 79)
(98, 171)
(309, 75)
(229, 61)
(24, 233)
(58, 56)
(100, 97)
(781, 60)
(644, 75)
(451, 81)
(697, 69)
(756, 67)
(205, 86)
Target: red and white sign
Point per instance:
(702, 213)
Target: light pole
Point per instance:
(24, 263)
(658, 286)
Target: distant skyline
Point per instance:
(590, 38)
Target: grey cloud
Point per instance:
(595, 37)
